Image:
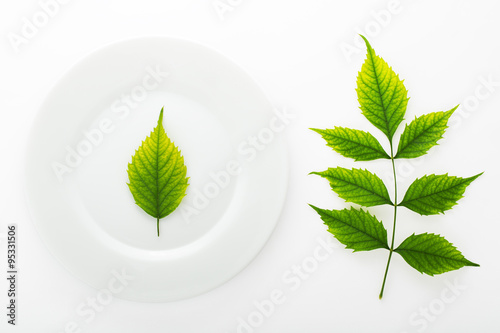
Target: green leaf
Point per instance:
(381, 94)
(356, 229)
(432, 254)
(157, 174)
(360, 145)
(358, 186)
(434, 194)
(423, 133)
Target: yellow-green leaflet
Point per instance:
(381, 94)
(423, 133)
(157, 174)
(353, 143)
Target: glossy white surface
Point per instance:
(89, 127)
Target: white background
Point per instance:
(444, 50)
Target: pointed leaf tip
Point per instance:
(366, 41)
(314, 207)
(160, 119)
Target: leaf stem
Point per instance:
(394, 223)
(158, 225)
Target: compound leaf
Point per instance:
(356, 229)
(358, 186)
(432, 254)
(434, 194)
(423, 133)
(157, 174)
(383, 100)
(381, 94)
(356, 144)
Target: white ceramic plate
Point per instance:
(89, 127)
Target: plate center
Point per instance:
(205, 144)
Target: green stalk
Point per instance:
(158, 225)
(394, 223)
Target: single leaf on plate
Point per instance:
(356, 144)
(356, 185)
(381, 94)
(356, 229)
(434, 194)
(431, 254)
(157, 174)
(423, 133)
